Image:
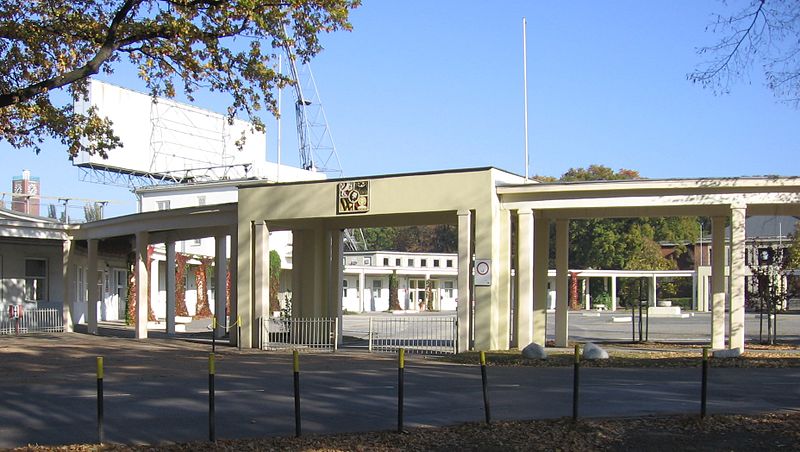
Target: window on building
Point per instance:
(377, 285)
(385, 261)
(423, 262)
(449, 263)
(35, 280)
(411, 262)
(344, 288)
(397, 262)
(367, 261)
(162, 205)
(197, 242)
(448, 289)
(436, 263)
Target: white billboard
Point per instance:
(165, 137)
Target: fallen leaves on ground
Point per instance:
(772, 431)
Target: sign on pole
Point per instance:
(483, 272)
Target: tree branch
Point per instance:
(90, 68)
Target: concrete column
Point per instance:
(464, 307)
(220, 271)
(524, 308)
(737, 274)
(69, 282)
(325, 257)
(261, 280)
(361, 282)
(587, 299)
(652, 287)
(93, 289)
(613, 293)
(170, 286)
(562, 282)
(245, 281)
(234, 271)
(337, 274)
(501, 286)
(541, 264)
(717, 282)
(298, 245)
(142, 283)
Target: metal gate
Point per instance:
(417, 334)
(299, 333)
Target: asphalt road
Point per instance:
(156, 391)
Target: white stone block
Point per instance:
(534, 351)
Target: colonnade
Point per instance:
(532, 266)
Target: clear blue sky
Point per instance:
(429, 85)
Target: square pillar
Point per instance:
(234, 271)
(501, 286)
(260, 280)
(562, 282)
(541, 264)
(524, 308)
(717, 282)
(93, 289)
(142, 283)
(613, 293)
(68, 276)
(298, 256)
(220, 273)
(245, 281)
(170, 286)
(652, 288)
(737, 275)
(464, 302)
(337, 273)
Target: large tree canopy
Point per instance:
(223, 46)
(764, 33)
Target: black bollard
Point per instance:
(100, 433)
(485, 389)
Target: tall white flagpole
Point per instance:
(525, 89)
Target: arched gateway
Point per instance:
(481, 202)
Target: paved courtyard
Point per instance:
(156, 391)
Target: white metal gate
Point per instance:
(299, 333)
(417, 334)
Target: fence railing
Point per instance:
(299, 333)
(425, 335)
(32, 321)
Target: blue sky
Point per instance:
(430, 85)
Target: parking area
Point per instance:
(156, 391)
